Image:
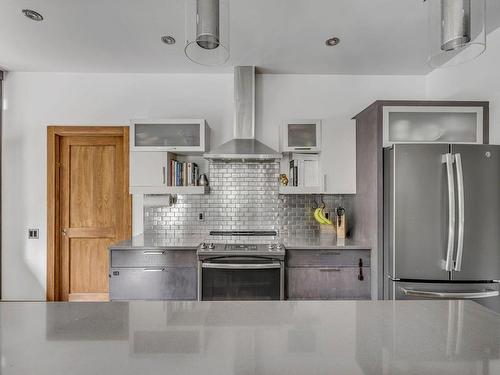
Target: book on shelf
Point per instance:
(303, 170)
(294, 173)
(183, 173)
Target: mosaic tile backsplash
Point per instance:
(243, 196)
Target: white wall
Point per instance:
(35, 100)
(478, 79)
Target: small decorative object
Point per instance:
(203, 180)
(172, 199)
(283, 179)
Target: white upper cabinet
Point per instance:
(301, 136)
(428, 124)
(177, 135)
(148, 169)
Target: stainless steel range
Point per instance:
(243, 270)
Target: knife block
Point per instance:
(341, 225)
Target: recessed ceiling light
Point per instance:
(332, 41)
(167, 39)
(32, 15)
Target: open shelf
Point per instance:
(187, 190)
(300, 190)
(180, 190)
(307, 170)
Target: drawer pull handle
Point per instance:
(323, 253)
(330, 269)
(360, 275)
(156, 269)
(154, 252)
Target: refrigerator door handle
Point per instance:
(448, 160)
(461, 212)
(485, 293)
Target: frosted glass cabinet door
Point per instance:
(301, 136)
(432, 125)
(168, 135)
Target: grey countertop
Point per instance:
(330, 337)
(190, 242)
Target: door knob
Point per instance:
(64, 232)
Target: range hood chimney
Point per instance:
(244, 146)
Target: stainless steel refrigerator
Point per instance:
(442, 222)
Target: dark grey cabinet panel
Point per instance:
(328, 274)
(328, 283)
(349, 258)
(153, 257)
(153, 274)
(149, 283)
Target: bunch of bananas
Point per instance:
(319, 216)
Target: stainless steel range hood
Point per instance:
(244, 146)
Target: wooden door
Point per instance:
(93, 212)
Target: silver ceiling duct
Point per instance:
(457, 31)
(455, 24)
(207, 27)
(207, 31)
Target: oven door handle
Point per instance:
(240, 266)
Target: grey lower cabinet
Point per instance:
(328, 275)
(153, 274)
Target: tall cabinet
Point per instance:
(386, 122)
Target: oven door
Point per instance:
(241, 279)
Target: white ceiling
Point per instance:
(278, 36)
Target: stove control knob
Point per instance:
(271, 246)
(279, 247)
(211, 246)
(203, 246)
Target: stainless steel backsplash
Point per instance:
(243, 196)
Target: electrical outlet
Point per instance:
(33, 234)
(201, 216)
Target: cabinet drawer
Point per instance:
(153, 257)
(302, 258)
(154, 283)
(328, 283)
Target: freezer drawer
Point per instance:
(486, 294)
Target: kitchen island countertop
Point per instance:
(191, 242)
(327, 337)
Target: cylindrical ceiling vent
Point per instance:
(455, 24)
(457, 31)
(207, 31)
(207, 26)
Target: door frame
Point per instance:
(54, 135)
